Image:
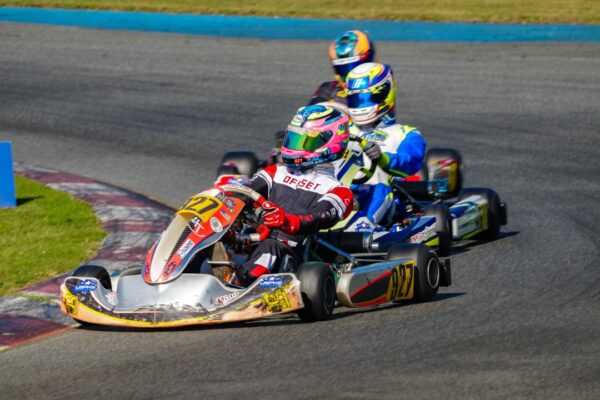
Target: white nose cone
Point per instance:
(165, 247)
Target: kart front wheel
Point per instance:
(428, 274)
(93, 271)
(318, 291)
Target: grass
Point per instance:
(48, 233)
(538, 11)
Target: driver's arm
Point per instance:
(330, 209)
(262, 181)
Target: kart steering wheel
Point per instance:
(263, 231)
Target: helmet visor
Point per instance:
(305, 140)
(368, 97)
(342, 67)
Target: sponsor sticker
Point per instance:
(276, 301)
(185, 248)
(85, 286)
(215, 224)
(422, 236)
(227, 297)
(271, 282)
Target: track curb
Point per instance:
(132, 222)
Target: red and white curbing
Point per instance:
(132, 222)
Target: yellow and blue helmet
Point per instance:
(370, 92)
(349, 50)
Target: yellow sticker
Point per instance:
(201, 206)
(276, 301)
(401, 282)
(71, 303)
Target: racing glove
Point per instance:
(372, 150)
(275, 217)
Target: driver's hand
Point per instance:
(274, 215)
(372, 150)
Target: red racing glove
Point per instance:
(275, 217)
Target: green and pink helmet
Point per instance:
(317, 134)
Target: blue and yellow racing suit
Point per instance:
(403, 151)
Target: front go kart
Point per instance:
(176, 286)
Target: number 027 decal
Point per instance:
(200, 206)
(401, 282)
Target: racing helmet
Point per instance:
(370, 92)
(317, 134)
(350, 49)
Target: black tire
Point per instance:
(246, 162)
(494, 215)
(442, 227)
(227, 170)
(318, 291)
(435, 155)
(94, 271)
(428, 273)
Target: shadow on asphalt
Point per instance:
(464, 246)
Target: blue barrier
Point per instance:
(7, 179)
(303, 28)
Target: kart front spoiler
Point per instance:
(192, 299)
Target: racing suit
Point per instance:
(402, 153)
(330, 91)
(315, 198)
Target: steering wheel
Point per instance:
(262, 231)
(367, 173)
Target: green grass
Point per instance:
(48, 233)
(544, 11)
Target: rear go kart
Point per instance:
(186, 280)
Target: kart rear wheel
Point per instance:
(494, 211)
(428, 273)
(436, 155)
(246, 162)
(442, 227)
(318, 291)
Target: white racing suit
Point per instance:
(403, 151)
(314, 195)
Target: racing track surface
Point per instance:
(154, 112)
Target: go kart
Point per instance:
(188, 274)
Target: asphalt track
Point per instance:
(154, 112)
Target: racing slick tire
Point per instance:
(429, 269)
(496, 212)
(227, 170)
(93, 271)
(245, 162)
(317, 284)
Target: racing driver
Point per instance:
(303, 194)
(396, 150)
(349, 50)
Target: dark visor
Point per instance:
(306, 141)
(361, 99)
